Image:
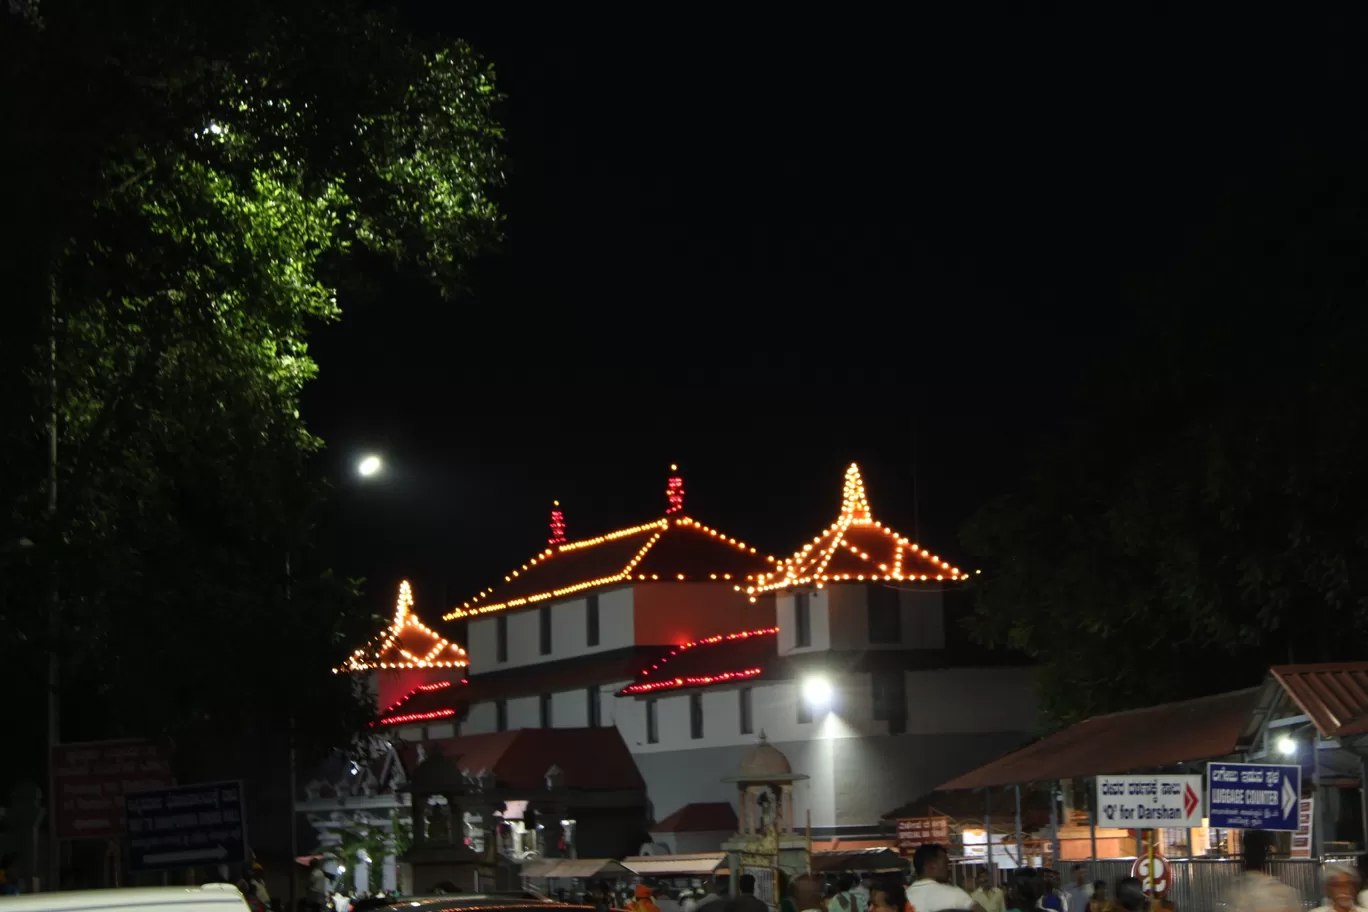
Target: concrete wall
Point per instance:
(668, 614)
(569, 709)
(569, 632)
(839, 618)
(957, 719)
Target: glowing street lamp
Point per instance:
(369, 466)
(1286, 746)
(817, 691)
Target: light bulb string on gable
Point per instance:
(376, 656)
(812, 565)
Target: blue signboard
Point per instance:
(186, 826)
(1253, 796)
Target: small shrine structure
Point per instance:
(768, 839)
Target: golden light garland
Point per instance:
(388, 651)
(626, 574)
(809, 565)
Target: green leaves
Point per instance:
(195, 177)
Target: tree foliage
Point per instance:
(188, 187)
(1208, 516)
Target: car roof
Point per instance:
(223, 895)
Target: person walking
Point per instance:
(989, 896)
(932, 890)
(1077, 894)
(1341, 889)
(1255, 890)
(745, 899)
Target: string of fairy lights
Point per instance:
(391, 650)
(486, 602)
(811, 564)
(699, 680)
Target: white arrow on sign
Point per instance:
(215, 854)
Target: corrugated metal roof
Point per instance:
(1139, 739)
(1333, 696)
(666, 865)
(573, 867)
(872, 859)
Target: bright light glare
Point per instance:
(1286, 746)
(341, 869)
(817, 691)
(369, 466)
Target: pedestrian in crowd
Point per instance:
(807, 894)
(1341, 889)
(842, 899)
(1022, 895)
(987, 894)
(318, 886)
(712, 893)
(1131, 896)
(861, 892)
(688, 899)
(745, 899)
(1362, 867)
(932, 890)
(641, 900)
(9, 885)
(1256, 890)
(889, 895)
(1051, 899)
(1077, 894)
(1098, 901)
(786, 901)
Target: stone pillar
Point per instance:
(389, 875)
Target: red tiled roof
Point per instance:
(700, 817)
(1333, 696)
(590, 758)
(856, 547)
(712, 660)
(1140, 739)
(671, 548)
(406, 643)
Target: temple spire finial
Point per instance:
(674, 491)
(557, 525)
(404, 605)
(854, 503)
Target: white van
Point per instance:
(214, 897)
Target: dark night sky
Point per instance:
(764, 249)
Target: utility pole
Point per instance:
(54, 590)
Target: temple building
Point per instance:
(680, 646)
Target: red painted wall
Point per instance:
(668, 614)
(393, 684)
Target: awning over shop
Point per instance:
(1333, 696)
(1140, 739)
(698, 864)
(574, 867)
(883, 859)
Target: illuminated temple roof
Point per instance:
(670, 549)
(713, 660)
(855, 547)
(406, 643)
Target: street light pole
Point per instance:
(54, 591)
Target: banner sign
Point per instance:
(914, 832)
(1149, 802)
(1253, 796)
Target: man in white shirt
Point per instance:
(988, 897)
(932, 890)
(1077, 894)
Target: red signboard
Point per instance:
(914, 832)
(89, 782)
